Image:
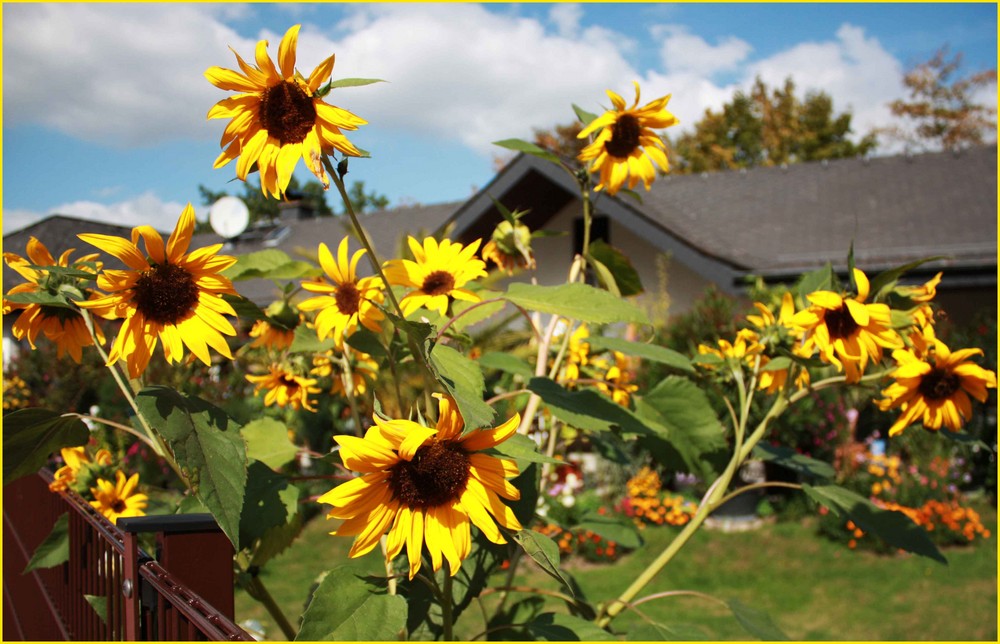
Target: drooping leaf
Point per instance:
(619, 266)
(464, 381)
(604, 276)
(267, 441)
(31, 435)
(559, 627)
(584, 116)
(756, 622)
(100, 605)
(651, 352)
(347, 606)
(269, 263)
(576, 301)
(788, 457)
(42, 298)
(618, 529)
(685, 424)
(544, 552)
(893, 527)
(354, 82)
(520, 145)
(54, 550)
(207, 445)
(523, 450)
(506, 362)
(656, 631)
(585, 409)
(886, 280)
(270, 501)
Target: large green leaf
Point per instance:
(559, 627)
(464, 381)
(575, 301)
(54, 550)
(657, 632)
(306, 341)
(269, 263)
(756, 622)
(506, 362)
(100, 605)
(31, 435)
(800, 463)
(545, 552)
(621, 530)
(626, 278)
(519, 145)
(686, 426)
(478, 311)
(42, 298)
(895, 528)
(585, 409)
(347, 606)
(245, 309)
(651, 352)
(207, 445)
(267, 441)
(270, 501)
(523, 450)
(821, 279)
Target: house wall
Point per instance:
(671, 288)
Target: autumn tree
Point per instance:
(941, 111)
(765, 127)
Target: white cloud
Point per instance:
(684, 52)
(855, 70)
(566, 17)
(121, 75)
(144, 209)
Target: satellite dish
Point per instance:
(229, 217)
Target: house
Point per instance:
(691, 231)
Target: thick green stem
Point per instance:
(256, 589)
(447, 606)
(348, 379)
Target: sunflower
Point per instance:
(279, 116)
(62, 325)
(364, 371)
(438, 272)
(346, 302)
(617, 381)
(426, 486)
(510, 247)
(165, 294)
(933, 385)
(846, 331)
(271, 336)
(743, 348)
(626, 146)
(577, 353)
(118, 499)
(285, 387)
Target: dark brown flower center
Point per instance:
(438, 283)
(348, 298)
(118, 506)
(624, 136)
(436, 476)
(840, 323)
(287, 112)
(939, 384)
(165, 293)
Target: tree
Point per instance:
(767, 127)
(363, 201)
(941, 110)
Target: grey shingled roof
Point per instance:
(894, 209)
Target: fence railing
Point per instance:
(111, 588)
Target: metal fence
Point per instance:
(111, 588)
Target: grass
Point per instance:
(813, 588)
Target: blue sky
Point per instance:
(104, 104)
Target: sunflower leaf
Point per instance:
(270, 501)
(43, 298)
(354, 82)
(269, 263)
(267, 441)
(584, 116)
(31, 435)
(575, 301)
(894, 527)
(756, 622)
(209, 448)
(464, 381)
(520, 145)
(346, 606)
(54, 550)
(559, 627)
(799, 463)
(544, 552)
(626, 278)
(651, 352)
(506, 362)
(100, 605)
(66, 271)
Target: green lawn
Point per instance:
(813, 589)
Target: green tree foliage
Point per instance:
(941, 111)
(767, 127)
(362, 201)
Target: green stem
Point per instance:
(348, 379)
(111, 423)
(256, 589)
(447, 606)
(755, 486)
